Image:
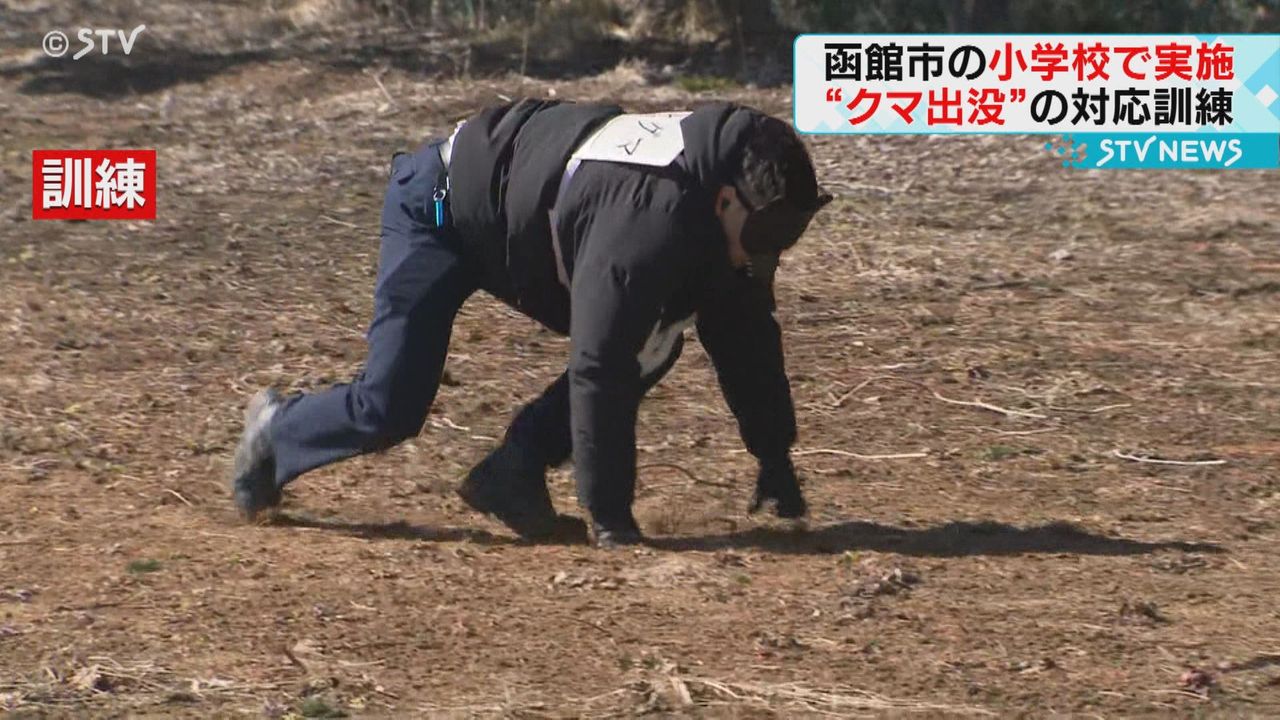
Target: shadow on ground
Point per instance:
(953, 539)
(573, 531)
(397, 530)
(110, 78)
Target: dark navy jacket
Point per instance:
(643, 250)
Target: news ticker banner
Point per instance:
(1106, 101)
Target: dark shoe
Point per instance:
(253, 482)
(778, 485)
(788, 503)
(512, 488)
(611, 535)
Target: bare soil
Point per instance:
(1008, 328)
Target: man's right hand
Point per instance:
(777, 483)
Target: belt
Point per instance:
(446, 148)
(562, 273)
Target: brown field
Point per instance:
(1007, 327)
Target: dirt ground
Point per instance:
(987, 351)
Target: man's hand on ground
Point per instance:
(777, 483)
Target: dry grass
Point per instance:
(970, 407)
(103, 681)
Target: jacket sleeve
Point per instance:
(623, 276)
(737, 328)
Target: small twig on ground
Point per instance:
(593, 626)
(1159, 461)
(343, 223)
(381, 87)
(682, 690)
(1001, 285)
(840, 400)
(1183, 693)
(464, 709)
(33, 465)
(404, 15)
(686, 472)
(601, 696)
(839, 700)
(294, 659)
(178, 495)
(950, 401)
(998, 431)
(665, 486)
(446, 422)
(986, 406)
(859, 456)
(1104, 408)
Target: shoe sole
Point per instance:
(614, 542)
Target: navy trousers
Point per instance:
(542, 427)
(424, 277)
